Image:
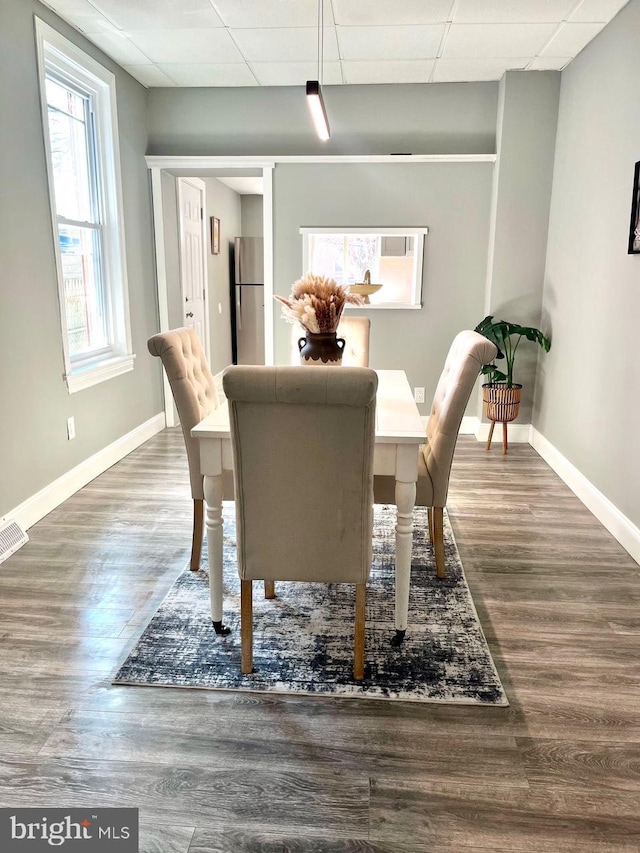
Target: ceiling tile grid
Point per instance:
(275, 42)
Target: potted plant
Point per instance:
(501, 395)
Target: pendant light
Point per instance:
(314, 87)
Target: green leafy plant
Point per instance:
(507, 336)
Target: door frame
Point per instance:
(198, 184)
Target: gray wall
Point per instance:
(587, 401)
(252, 215)
(33, 443)
(442, 118)
(452, 199)
(224, 203)
(527, 122)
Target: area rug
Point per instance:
(303, 639)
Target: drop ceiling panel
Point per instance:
(381, 43)
(391, 12)
(598, 10)
(209, 74)
(275, 42)
(119, 47)
(81, 14)
(513, 11)
(571, 38)
(296, 44)
(496, 40)
(474, 70)
(187, 46)
(392, 71)
(251, 14)
(149, 75)
(159, 14)
(295, 73)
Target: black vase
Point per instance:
(324, 348)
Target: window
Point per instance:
(81, 142)
(392, 256)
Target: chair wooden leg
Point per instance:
(438, 540)
(504, 437)
(246, 625)
(269, 589)
(491, 429)
(196, 543)
(358, 642)
(430, 523)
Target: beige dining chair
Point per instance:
(303, 467)
(195, 395)
(356, 334)
(468, 352)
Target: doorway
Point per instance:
(165, 174)
(192, 249)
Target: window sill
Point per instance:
(98, 371)
(386, 306)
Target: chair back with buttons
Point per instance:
(303, 466)
(468, 352)
(192, 386)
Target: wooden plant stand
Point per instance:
(501, 405)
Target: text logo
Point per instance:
(35, 830)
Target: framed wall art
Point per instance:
(215, 235)
(634, 230)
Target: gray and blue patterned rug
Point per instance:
(303, 639)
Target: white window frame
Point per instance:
(67, 60)
(417, 233)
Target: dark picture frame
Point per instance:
(634, 229)
(215, 235)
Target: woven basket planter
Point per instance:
(501, 404)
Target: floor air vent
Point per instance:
(12, 537)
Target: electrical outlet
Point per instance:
(418, 395)
(71, 428)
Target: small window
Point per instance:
(81, 142)
(390, 259)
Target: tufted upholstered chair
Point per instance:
(354, 330)
(194, 392)
(468, 352)
(303, 465)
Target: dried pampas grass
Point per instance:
(317, 303)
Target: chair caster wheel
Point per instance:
(220, 629)
(396, 640)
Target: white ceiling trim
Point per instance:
(157, 161)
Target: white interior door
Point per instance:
(193, 278)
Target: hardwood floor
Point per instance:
(215, 772)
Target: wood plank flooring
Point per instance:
(213, 772)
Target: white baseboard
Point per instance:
(518, 433)
(47, 499)
(621, 527)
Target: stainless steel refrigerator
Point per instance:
(247, 301)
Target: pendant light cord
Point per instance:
(320, 39)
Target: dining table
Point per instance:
(399, 432)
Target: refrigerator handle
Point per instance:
(238, 307)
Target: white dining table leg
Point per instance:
(213, 517)
(405, 502)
